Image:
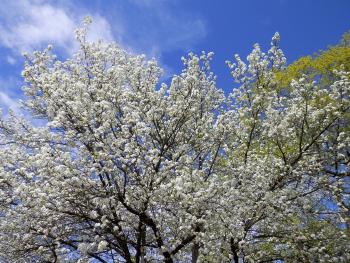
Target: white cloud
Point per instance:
(26, 25)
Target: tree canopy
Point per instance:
(130, 170)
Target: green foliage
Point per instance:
(320, 67)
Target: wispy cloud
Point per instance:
(27, 25)
(146, 26)
(11, 60)
(9, 102)
(155, 27)
(8, 96)
(152, 27)
(161, 26)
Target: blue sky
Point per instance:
(167, 30)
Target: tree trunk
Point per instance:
(195, 252)
(141, 239)
(234, 250)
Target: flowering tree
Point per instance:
(127, 170)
